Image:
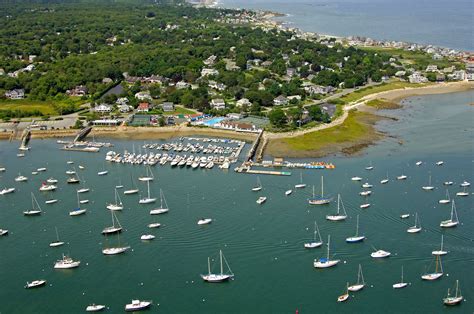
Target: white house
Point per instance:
(145, 95)
(218, 104)
(182, 85)
(243, 102)
(167, 106)
(209, 71)
(122, 101)
(417, 77)
(103, 108)
(280, 101)
(124, 108)
(15, 94)
(432, 68)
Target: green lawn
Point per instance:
(350, 130)
(35, 108)
(180, 110)
(358, 94)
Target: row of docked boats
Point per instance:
(151, 159)
(195, 148)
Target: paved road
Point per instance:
(66, 122)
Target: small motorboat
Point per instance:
(147, 237)
(52, 180)
(21, 178)
(95, 307)
(35, 284)
(7, 191)
(365, 193)
(137, 305)
(154, 225)
(465, 184)
(102, 173)
(288, 192)
(439, 163)
(380, 254)
(402, 177)
(261, 200)
(356, 179)
(418, 163)
(204, 221)
(3, 232)
(404, 216)
(41, 169)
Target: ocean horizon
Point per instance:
(440, 23)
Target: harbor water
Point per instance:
(263, 244)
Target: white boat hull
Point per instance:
(355, 288)
(56, 244)
(439, 253)
(147, 200)
(115, 250)
(128, 192)
(312, 245)
(400, 285)
(158, 211)
(77, 212)
(326, 264)
(216, 277)
(431, 277)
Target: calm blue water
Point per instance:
(439, 22)
(263, 244)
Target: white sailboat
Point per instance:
(319, 200)
(356, 238)
(456, 299)
(402, 177)
(384, 181)
(437, 273)
(148, 199)
(453, 221)
(417, 227)
(163, 206)
(154, 225)
(441, 251)
(78, 210)
(356, 179)
(448, 183)
(35, 208)
(148, 176)
(369, 167)
(102, 172)
(317, 241)
(338, 216)
(219, 277)
(300, 185)
(83, 189)
(446, 200)
(258, 187)
(465, 184)
(401, 284)
(133, 190)
(114, 228)
(288, 192)
(114, 250)
(428, 187)
(345, 296)
(57, 242)
(117, 205)
(45, 187)
(326, 262)
(360, 281)
(464, 192)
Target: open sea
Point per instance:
(437, 22)
(263, 244)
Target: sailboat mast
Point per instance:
(322, 187)
(402, 273)
(57, 235)
(442, 239)
(329, 243)
(148, 187)
(161, 198)
(357, 227)
(209, 265)
(222, 269)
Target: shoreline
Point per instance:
(349, 147)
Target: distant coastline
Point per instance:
(290, 25)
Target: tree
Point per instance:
(315, 113)
(277, 117)
(78, 124)
(161, 121)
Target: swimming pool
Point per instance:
(212, 121)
